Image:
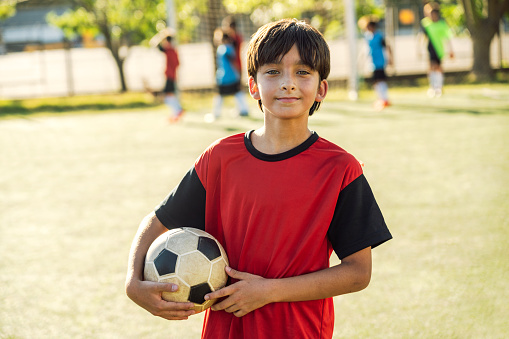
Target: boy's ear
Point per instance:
(253, 89)
(322, 91)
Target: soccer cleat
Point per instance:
(175, 118)
(381, 104)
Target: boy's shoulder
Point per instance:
(228, 141)
(336, 150)
(226, 144)
(337, 160)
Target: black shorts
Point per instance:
(433, 57)
(379, 75)
(229, 89)
(170, 86)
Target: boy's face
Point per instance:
(288, 88)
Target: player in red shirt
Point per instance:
(163, 41)
(280, 199)
(229, 25)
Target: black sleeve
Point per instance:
(185, 205)
(357, 222)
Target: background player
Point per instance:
(229, 26)
(439, 36)
(227, 76)
(279, 199)
(381, 56)
(163, 40)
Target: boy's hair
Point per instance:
(272, 41)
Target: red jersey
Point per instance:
(277, 216)
(172, 62)
(237, 42)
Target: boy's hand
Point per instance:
(247, 294)
(147, 294)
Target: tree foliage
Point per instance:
(7, 9)
(481, 18)
(122, 23)
(326, 15)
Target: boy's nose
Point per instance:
(288, 85)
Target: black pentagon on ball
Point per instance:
(165, 262)
(209, 248)
(197, 293)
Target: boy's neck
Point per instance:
(278, 140)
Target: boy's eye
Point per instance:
(272, 71)
(303, 72)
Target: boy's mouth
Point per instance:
(287, 99)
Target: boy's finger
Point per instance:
(176, 315)
(223, 305)
(236, 274)
(180, 306)
(167, 287)
(223, 292)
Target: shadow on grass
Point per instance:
(453, 110)
(18, 108)
(402, 109)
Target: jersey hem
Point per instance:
(372, 241)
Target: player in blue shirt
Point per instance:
(227, 76)
(381, 56)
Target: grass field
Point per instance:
(73, 188)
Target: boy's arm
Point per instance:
(252, 292)
(147, 294)
(388, 51)
(449, 47)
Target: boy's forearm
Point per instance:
(352, 275)
(150, 228)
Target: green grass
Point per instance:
(85, 103)
(73, 188)
(99, 103)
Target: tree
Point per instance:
(122, 23)
(482, 19)
(7, 9)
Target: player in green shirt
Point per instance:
(439, 36)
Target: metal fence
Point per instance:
(63, 72)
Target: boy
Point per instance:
(381, 55)
(229, 25)
(227, 76)
(279, 199)
(163, 40)
(439, 35)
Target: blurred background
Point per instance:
(74, 47)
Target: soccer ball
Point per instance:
(190, 258)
